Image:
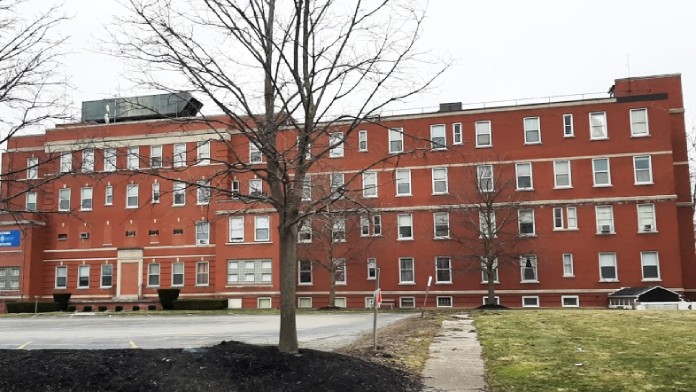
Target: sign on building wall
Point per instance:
(9, 238)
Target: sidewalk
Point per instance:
(455, 362)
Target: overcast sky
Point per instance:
(502, 49)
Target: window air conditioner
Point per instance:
(202, 242)
(84, 236)
(647, 228)
(605, 229)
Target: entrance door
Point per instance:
(130, 267)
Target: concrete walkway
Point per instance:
(455, 362)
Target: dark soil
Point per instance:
(492, 307)
(228, 366)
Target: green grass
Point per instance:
(588, 350)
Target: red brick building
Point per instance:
(600, 189)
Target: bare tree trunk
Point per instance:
(491, 286)
(287, 340)
(332, 286)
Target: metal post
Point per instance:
(427, 289)
(374, 305)
(36, 304)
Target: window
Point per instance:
(156, 156)
(304, 302)
(336, 145)
(340, 302)
(523, 173)
(483, 134)
(235, 188)
(236, 229)
(249, 272)
(179, 154)
(528, 269)
(203, 152)
(304, 272)
(642, 169)
(396, 140)
(457, 136)
(438, 140)
(568, 265)
(108, 195)
(66, 162)
(264, 303)
(607, 267)
(340, 271)
(405, 226)
(646, 218)
(262, 228)
(369, 186)
(639, 122)
(107, 275)
(532, 130)
(487, 226)
(525, 219)
(598, 125)
(132, 196)
(153, 233)
(64, 199)
(255, 187)
(403, 182)
(156, 192)
(407, 302)
(443, 269)
(177, 274)
(562, 175)
(444, 302)
(441, 224)
(83, 276)
(362, 141)
(133, 162)
(338, 229)
(130, 233)
(570, 221)
(370, 225)
(304, 232)
(202, 233)
(32, 168)
(86, 199)
(31, 201)
(650, 265)
(484, 176)
(530, 302)
(440, 186)
(255, 155)
(203, 192)
(570, 301)
(371, 268)
(406, 272)
(600, 170)
(202, 273)
(605, 219)
(109, 159)
(484, 271)
(496, 300)
(87, 160)
(337, 180)
(307, 188)
(179, 193)
(153, 275)
(568, 130)
(61, 277)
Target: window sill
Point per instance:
(250, 284)
(640, 136)
(407, 283)
(599, 138)
(82, 288)
(529, 281)
(569, 136)
(644, 183)
(305, 284)
(441, 238)
(405, 239)
(105, 287)
(86, 210)
(364, 197)
(524, 189)
(178, 205)
(444, 283)
(202, 285)
(489, 146)
(405, 195)
(568, 276)
(532, 143)
(528, 235)
(648, 232)
(602, 186)
(563, 187)
(439, 193)
(485, 282)
(608, 281)
(564, 229)
(609, 233)
(651, 280)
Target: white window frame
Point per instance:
(533, 262)
(603, 262)
(32, 168)
(264, 303)
(154, 272)
(338, 229)
(88, 160)
(64, 195)
(202, 274)
(496, 300)
(406, 269)
(440, 180)
(407, 302)
(371, 268)
(304, 231)
(404, 221)
(305, 271)
(596, 172)
(568, 265)
(61, 273)
(262, 223)
(530, 297)
(307, 188)
(519, 174)
(441, 301)
(132, 196)
(156, 195)
(86, 194)
(403, 180)
(496, 269)
(568, 127)
(235, 188)
(239, 270)
(656, 265)
(396, 140)
(526, 215)
(255, 187)
(66, 162)
(336, 145)
(156, 156)
(203, 153)
(484, 224)
(558, 172)
(362, 141)
(647, 223)
(570, 297)
(457, 134)
(202, 233)
(83, 271)
(438, 137)
(133, 158)
(598, 126)
(179, 157)
(109, 195)
(110, 159)
(604, 216)
(485, 176)
(532, 127)
(445, 269)
(203, 192)
(340, 272)
(337, 182)
(649, 181)
(255, 155)
(369, 184)
(441, 219)
(103, 275)
(31, 201)
(236, 229)
(636, 122)
(304, 302)
(567, 220)
(180, 274)
(178, 192)
(483, 129)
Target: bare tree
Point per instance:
(316, 60)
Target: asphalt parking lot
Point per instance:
(103, 331)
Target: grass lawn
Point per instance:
(588, 350)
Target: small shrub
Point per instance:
(136, 308)
(167, 297)
(30, 307)
(72, 308)
(118, 308)
(87, 308)
(62, 299)
(151, 307)
(102, 308)
(200, 304)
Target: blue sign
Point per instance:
(9, 237)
